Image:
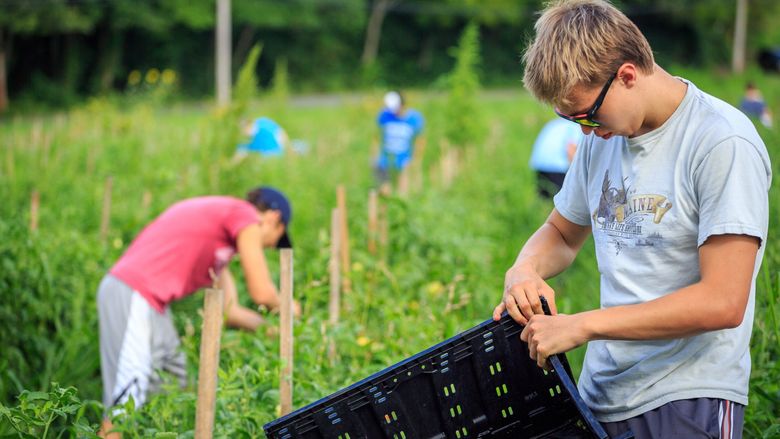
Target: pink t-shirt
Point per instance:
(171, 257)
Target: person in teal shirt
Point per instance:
(267, 137)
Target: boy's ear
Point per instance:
(627, 74)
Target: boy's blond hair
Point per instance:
(581, 42)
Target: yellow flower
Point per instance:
(363, 340)
(168, 76)
(435, 288)
(152, 76)
(134, 77)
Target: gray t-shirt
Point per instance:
(652, 201)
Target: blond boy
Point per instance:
(672, 184)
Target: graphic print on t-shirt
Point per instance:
(622, 212)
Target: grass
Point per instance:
(449, 248)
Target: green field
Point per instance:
(442, 272)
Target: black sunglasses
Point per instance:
(586, 118)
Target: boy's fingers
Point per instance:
(514, 311)
(498, 311)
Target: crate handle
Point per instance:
(568, 383)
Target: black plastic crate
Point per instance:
(479, 384)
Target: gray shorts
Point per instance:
(136, 344)
(698, 418)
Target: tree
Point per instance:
(374, 30)
(154, 17)
(465, 125)
(41, 18)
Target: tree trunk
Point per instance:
(374, 30)
(71, 63)
(109, 53)
(740, 32)
(3, 81)
(425, 59)
(223, 52)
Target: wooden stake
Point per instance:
(372, 221)
(213, 177)
(34, 205)
(146, 202)
(106, 215)
(213, 303)
(403, 183)
(383, 232)
(444, 169)
(415, 179)
(37, 131)
(417, 162)
(286, 330)
(450, 170)
(341, 201)
(334, 303)
(46, 151)
(90, 165)
(9, 161)
(335, 281)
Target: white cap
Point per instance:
(393, 101)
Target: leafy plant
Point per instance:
(44, 414)
(465, 124)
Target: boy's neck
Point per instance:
(663, 95)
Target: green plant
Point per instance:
(465, 123)
(443, 273)
(46, 414)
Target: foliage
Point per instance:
(280, 90)
(706, 28)
(245, 89)
(58, 51)
(41, 331)
(227, 130)
(441, 273)
(465, 124)
(44, 414)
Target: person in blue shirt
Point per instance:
(266, 138)
(553, 151)
(754, 106)
(399, 130)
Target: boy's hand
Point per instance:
(296, 309)
(550, 335)
(522, 288)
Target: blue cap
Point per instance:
(275, 200)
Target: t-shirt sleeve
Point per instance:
(732, 188)
(572, 200)
(419, 122)
(240, 217)
(382, 118)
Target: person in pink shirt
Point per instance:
(183, 250)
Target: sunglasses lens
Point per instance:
(581, 119)
(588, 123)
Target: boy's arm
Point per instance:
(258, 280)
(236, 315)
(549, 251)
(717, 301)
